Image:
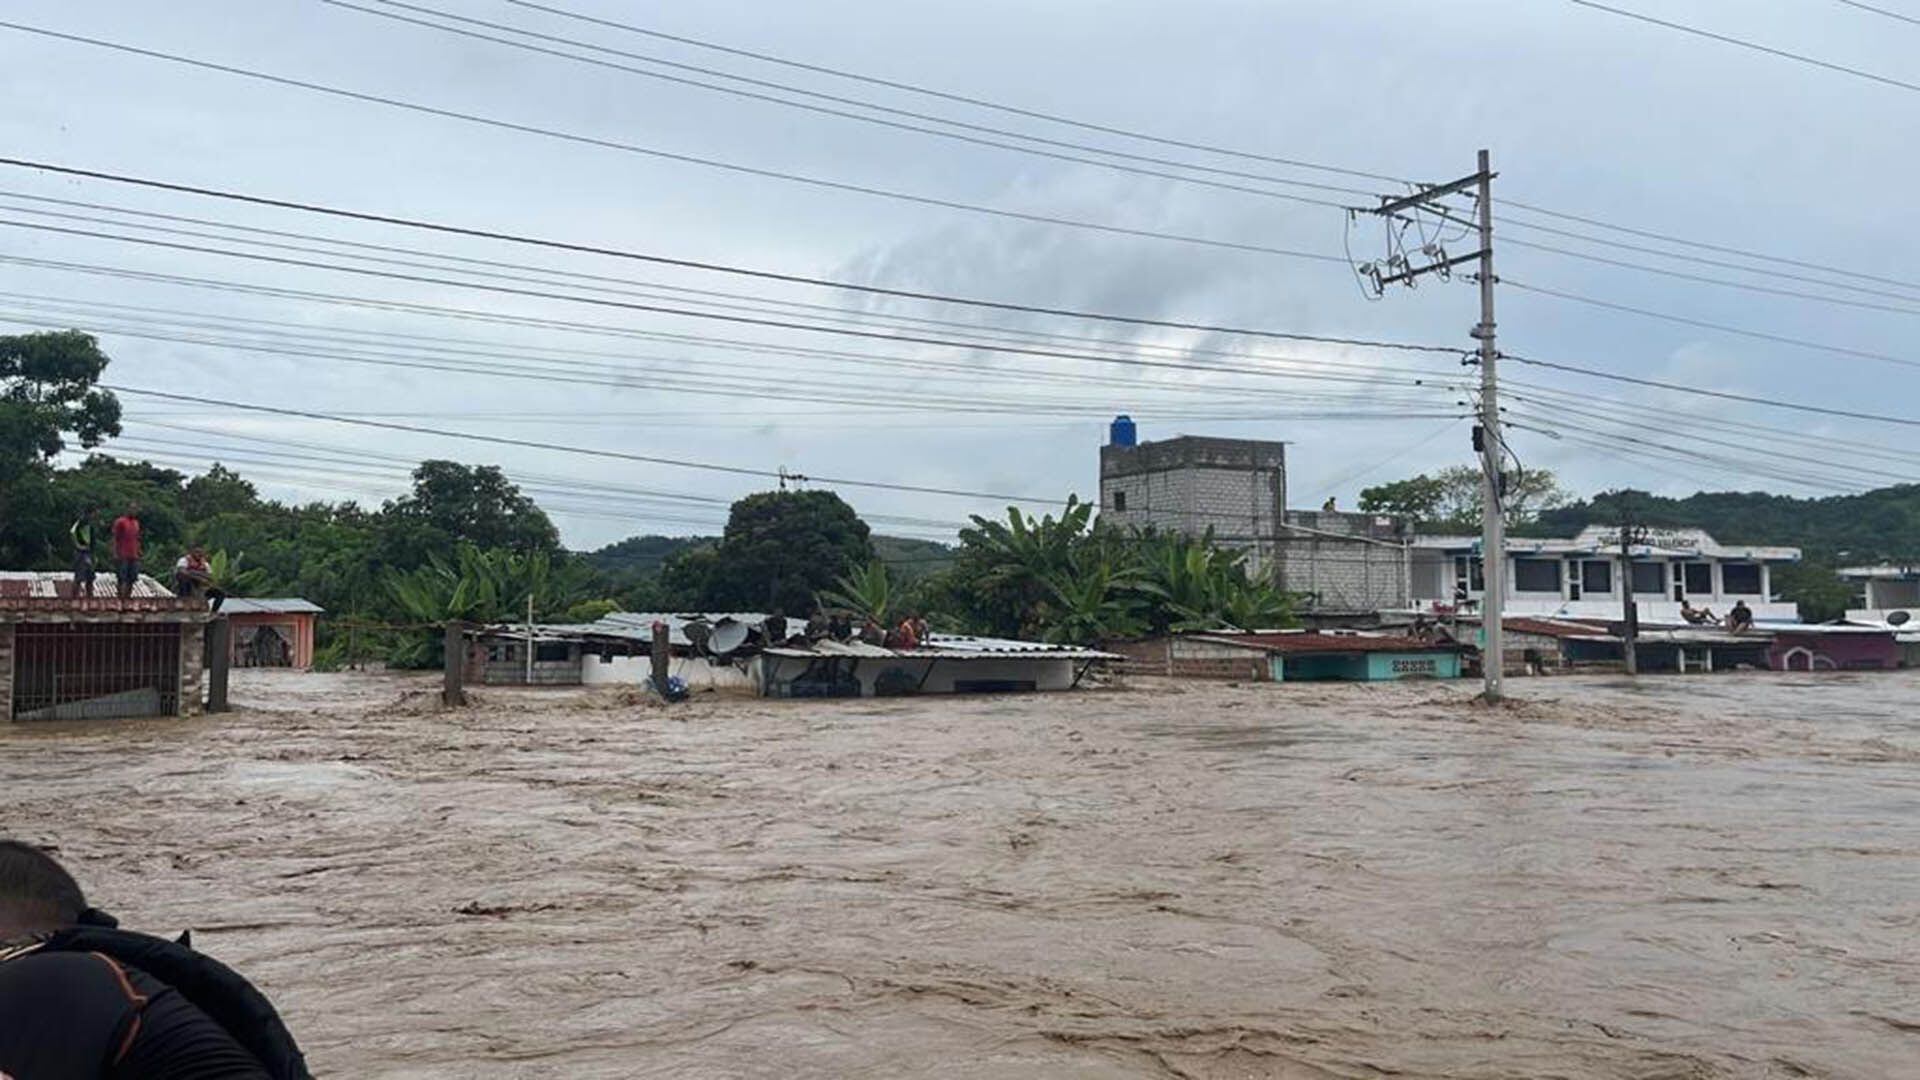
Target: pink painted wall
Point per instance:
(1833, 652)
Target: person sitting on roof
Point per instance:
(1696, 616)
(81, 998)
(193, 574)
(907, 636)
(871, 633)
(1740, 618)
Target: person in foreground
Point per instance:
(80, 998)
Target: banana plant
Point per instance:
(866, 591)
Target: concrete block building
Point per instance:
(1237, 489)
(69, 657)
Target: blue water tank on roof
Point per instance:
(1121, 432)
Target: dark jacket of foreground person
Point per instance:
(80, 998)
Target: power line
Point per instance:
(844, 114)
(1881, 11)
(1032, 114)
(659, 309)
(1758, 335)
(695, 264)
(1750, 45)
(667, 155)
(1141, 136)
(755, 303)
(1722, 394)
(617, 455)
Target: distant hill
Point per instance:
(910, 560)
(1872, 526)
(639, 556)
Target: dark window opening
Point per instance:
(1649, 578)
(1119, 500)
(1699, 578)
(1461, 565)
(1740, 579)
(1536, 575)
(549, 652)
(1596, 577)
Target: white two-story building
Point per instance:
(1889, 594)
(1580, 577)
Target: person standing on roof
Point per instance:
(126, 549)
(81, 533)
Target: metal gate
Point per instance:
(80, 671)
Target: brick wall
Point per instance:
(1184, 658)
(6, 672)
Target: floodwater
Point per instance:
(1692, 877)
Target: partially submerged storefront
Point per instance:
(1291, 656)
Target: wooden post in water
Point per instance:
(454, 692)
(219, 660)
(662, 655)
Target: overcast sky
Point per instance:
(1585, 113)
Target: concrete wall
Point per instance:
(193, 669)
(1185, 658)
(696, 671)
(1236, 487)
(770, 674)
(503, 662)
(1367, 573)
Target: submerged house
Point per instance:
(69, 657)
(1888, 595)
(1292, 656)
(271, 632)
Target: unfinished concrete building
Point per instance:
(68, 657)
(1343, 563)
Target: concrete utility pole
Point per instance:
(1487, 438)
(1630, 622)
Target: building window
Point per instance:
(1649, 578)
(1119, 500)
(1699, 578)
(1596, 577)
(1461, 565)
(1536, 575)
(551, 652)
(1740, 578)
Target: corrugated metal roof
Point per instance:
(1554, 628)
(949, 647)
(59, 583)
(51, 592)
(248, 605)
(1310, 641)
(628, 623)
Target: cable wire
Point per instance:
(1751, 45)
(667, 155)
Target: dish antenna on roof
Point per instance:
(1899, 618)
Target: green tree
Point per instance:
(217, 491)
(1820, 592)
(1092, 600)
(781, 548)
(453, 504)
(867, 591)
(1450, 499)
(48, 396)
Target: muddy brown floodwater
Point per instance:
(1692, 877)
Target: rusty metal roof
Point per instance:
(52, 592)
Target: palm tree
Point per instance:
(1092, 602)
(867, 591)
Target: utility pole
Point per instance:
(1630, 623)
(1487, 439)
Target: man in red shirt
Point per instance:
(126, 549)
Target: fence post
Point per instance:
(454, 692)
(219, 660)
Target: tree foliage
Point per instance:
(779, 550)
(1450, 499)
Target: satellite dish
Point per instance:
(727, 635)
(1899, 618)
